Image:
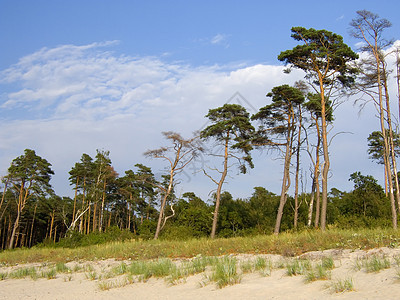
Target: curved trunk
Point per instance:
(285, 180)
(219, 189)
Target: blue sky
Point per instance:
(80, 75)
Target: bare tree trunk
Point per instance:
(51, 224)
(164, 202)
(22, 197)
(219, 190)
(311, 205)
(391, 140)
(326, 166)
(14, 230)
(296, 189)
(285, 180)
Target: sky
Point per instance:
(81, 75)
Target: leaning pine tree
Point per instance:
(231, 129)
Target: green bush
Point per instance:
(352, 221)
(147, 229)
(179, 233)
(77, 239)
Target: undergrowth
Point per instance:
(287, 244)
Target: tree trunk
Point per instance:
(102, 205)
(311, 206)
(326, 166)
(51, 225)
(164, 201)
(82, 222)
(33, 222)
(219, 190)
(285, 180)
(385, 142)
(22, 197)
(391, 140)
(94, 218)
(296, 189)
(14, 230)
(76, 194)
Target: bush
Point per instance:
(352, 221)
(77, 239)
(147, 229)
(179, 233)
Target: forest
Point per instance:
(296, 126)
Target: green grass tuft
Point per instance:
(376, 264)
(297, 267)
(224, 272)
(342, 285)
(23, 272)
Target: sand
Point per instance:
(384, 284)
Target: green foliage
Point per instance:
(322, 51)
(231, 124)
(376, 145)
(147, 229)
(77, 239)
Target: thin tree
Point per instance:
(369, 28)
(325, 58)
(231, 129)
(280, 120)
(178, 155)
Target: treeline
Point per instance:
(297, 123)
(105, 201)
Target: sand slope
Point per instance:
(382, 285)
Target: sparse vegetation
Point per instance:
(342, 285)
(297, 267)
(224, 272)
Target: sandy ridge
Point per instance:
(382, 285)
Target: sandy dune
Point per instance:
(381, 285)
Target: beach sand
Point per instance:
(384, 284)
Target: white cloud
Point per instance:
(220, 39)
(95, 99)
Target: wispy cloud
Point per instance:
(340, 18)
(220, 39)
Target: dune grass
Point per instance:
(287, 244)
(342, 285)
